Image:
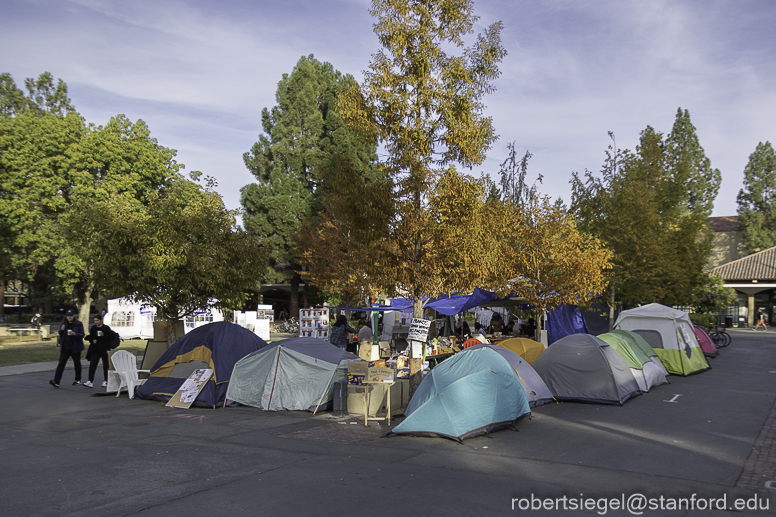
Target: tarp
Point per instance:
(469, 394)
(449, 305)
(669, 332)
(217, 346)
(537, 392)
(564, 321)
(291, 374)
(584, 368)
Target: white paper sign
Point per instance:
(417, 350)
(419, 330)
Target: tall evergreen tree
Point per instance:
(303, 138)
(757, 200)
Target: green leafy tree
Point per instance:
(181, 252)
(43, 96)
(712, 296)
(649, 208)
(302, 134)
(757, 200)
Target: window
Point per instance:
(122, 319)
(652, 337)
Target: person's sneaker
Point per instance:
(76, 383)
(54, 383)
(104, 384)
(88, 384)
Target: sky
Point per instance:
(200, 72)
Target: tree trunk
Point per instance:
(611, 310)
(2, 290)
(293, 302)
(84, 308)
(172, 322)
(416, 365)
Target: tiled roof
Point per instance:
(724, 224)
(760, 266)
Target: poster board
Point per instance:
(190, 389)
(419, 330)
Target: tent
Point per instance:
(584, 368)
(646, 373)
(293, 374)
(526, 348)
(217, 346)
(707, 345)
(635, 340)
(669, 332)
(130, 320)
(537, 392)
(472, 393)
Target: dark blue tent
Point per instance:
(217, 346)
(564, 321)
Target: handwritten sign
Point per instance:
(419, 330)
(190, 389)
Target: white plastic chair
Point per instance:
(125, 365)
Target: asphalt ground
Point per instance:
(68, 452)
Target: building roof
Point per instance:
(728, 223)
(759, 266)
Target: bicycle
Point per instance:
(719, 336)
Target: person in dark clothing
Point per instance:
(99, 339)
(71, 343)
(339, 332)
(36, 320)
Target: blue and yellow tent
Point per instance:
(217, 346)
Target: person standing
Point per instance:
(71, 339)
(760, 320)
(36, 320)
(365, 333)
(339, 332)
(99, 338)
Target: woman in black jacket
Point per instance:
(100, 337)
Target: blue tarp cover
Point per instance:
(564, 321)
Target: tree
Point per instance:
(49, 159)
(757, 200)
(649, 208)
(425, 107)
(302, 133)
(712, 296)
(181, 252)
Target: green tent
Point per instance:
(646, 372)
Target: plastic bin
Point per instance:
(340, 399)
(729, 321)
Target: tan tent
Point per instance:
(526, 348)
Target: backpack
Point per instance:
(115, 341)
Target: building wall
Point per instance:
(728, 246)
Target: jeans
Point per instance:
(94, 361)
(64, 356)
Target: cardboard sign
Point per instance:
(419, 330)
(190, 389)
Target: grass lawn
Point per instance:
(12, 352)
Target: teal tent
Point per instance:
(472, 393)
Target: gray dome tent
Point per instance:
(584, 368)
(294, 374)
(535, 390)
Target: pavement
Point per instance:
(707, 439)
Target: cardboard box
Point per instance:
(378, 364)
(369, 352)
(378, 401)
(377, 374)
(357, 367)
